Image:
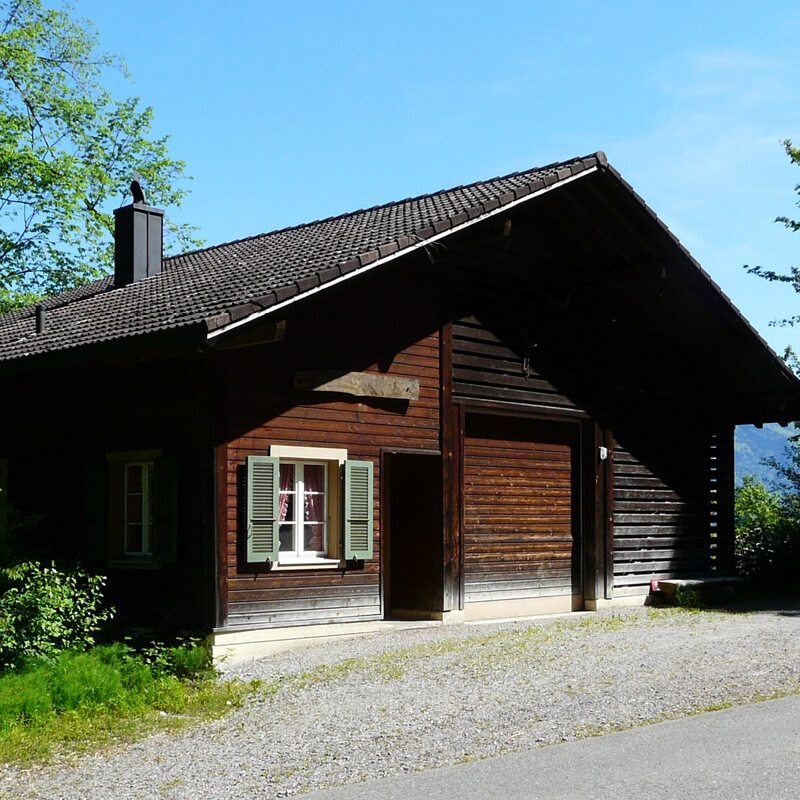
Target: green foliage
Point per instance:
(68, 151)
(44, 611)
(792, 277)
(688, 598)
(767, 535)
(83, 700)
(189, 659)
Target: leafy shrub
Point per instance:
(44, 611)
(187, 660)
(688, 598)
(767, 535)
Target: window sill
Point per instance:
(145, 562)
(313, 563)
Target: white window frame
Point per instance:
(332, 458)
(146, 509)
(297, 498)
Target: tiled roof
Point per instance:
(219, 285)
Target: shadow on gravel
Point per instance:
(782, 606)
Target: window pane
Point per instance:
(133, 509)
(314, 477)
(315, 508)
(134, 477)
(133, 538)
(314, 493)
(287, 477)
(286, 535)
(287, 493)
(313, 535)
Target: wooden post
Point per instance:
(608, 512)
(726, 533)
(451, 476)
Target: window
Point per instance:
(131, 513)
(308, 506)
(137, 508)
(303, 516)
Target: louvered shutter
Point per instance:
(263, 515)
(165, 509)
(95, 511)
(358, 510)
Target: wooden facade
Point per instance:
(381, 326)
(545, 398)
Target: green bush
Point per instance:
(189, 659)
(767, 535)
(45, 611)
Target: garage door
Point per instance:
(521, 509)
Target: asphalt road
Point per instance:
(743, 753)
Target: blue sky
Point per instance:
(293, 111)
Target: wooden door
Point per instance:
(415, 575)
(522, 504)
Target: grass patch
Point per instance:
(81, 702)
(487, 652)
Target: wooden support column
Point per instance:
(726, 534)
(608, 512)
(221, 531)
(451, 477)
(598, 514)
(219, 427)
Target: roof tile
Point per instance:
(217, 284)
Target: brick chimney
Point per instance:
(138, 243)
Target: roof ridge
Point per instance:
(599, 155)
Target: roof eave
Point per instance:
(253, 311)
(793, 379)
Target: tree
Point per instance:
(791, 277)
(68, 152)
(767, 535)
(768, 522)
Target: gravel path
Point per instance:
(415, 698)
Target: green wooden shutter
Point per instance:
(95, 511)
(263, 508)
(165, 510)
(358, 510)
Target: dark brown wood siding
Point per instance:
(377, 324)
(554, 321)
(665, 513)
(526, 319)
(521, 509)
(66, 426)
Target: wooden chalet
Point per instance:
(509, 398)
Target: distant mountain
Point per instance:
(752, 444)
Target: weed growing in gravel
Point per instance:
(489, 652)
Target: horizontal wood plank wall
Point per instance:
(379, 324)
(524, 337)
(664, 522)
(170, 411)
(542, 322)
(521, 536)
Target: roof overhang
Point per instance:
(371, 261)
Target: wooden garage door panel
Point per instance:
(520, 505)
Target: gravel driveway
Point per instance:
(413, 698)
